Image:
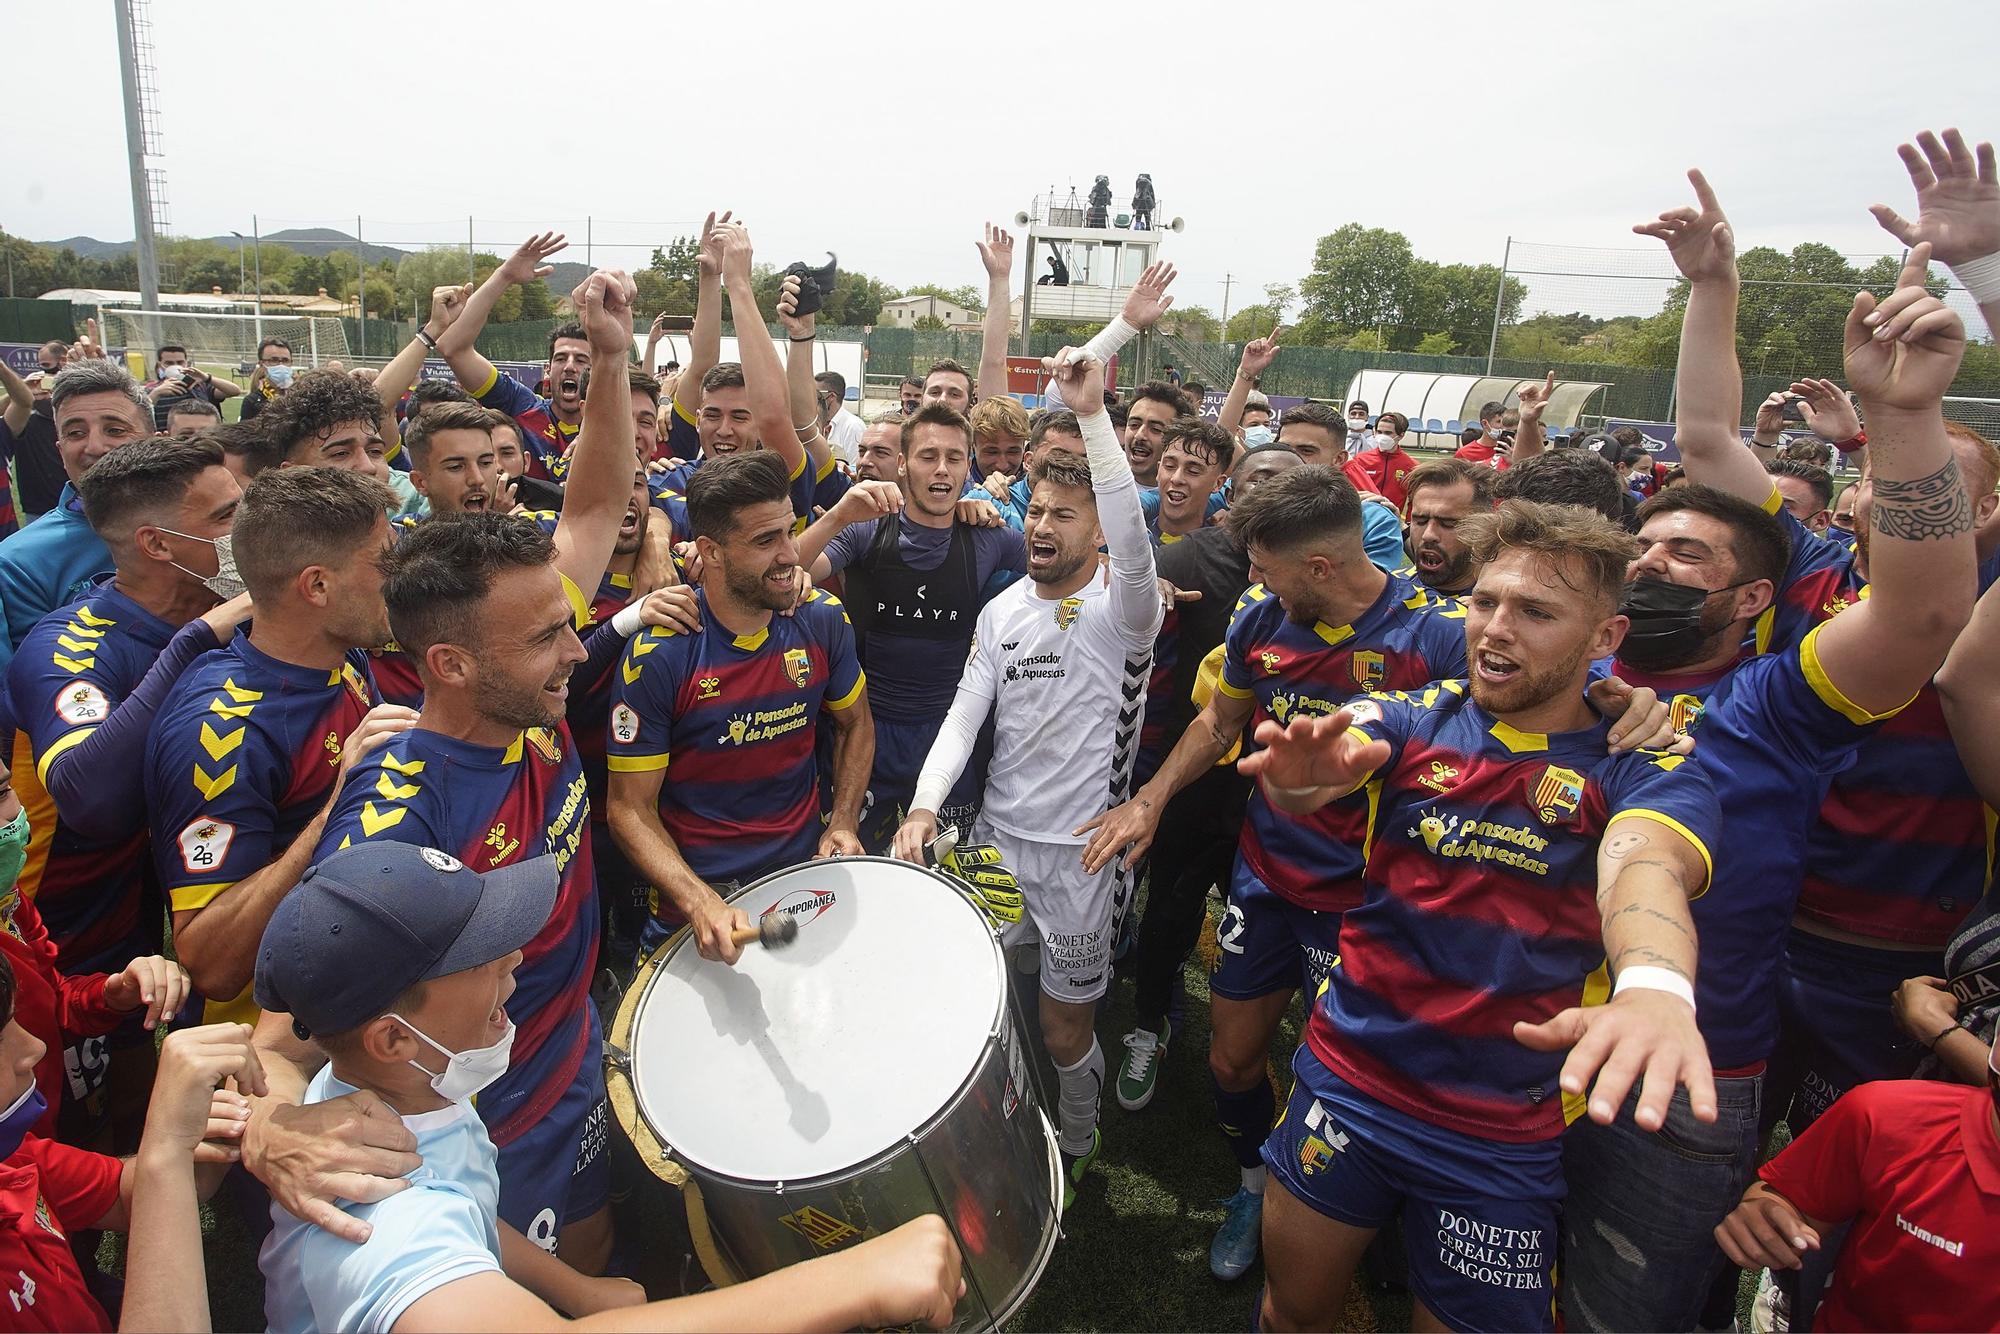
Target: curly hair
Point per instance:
(317, 402)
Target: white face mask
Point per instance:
(466, 1072)
(225, 583)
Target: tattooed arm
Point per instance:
(1901, 357)
(1647, 870)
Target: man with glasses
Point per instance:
(842, 429)
(273, 377)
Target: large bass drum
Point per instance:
(832, 1089)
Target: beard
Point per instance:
(1063, 568)
(754, 589)
(1452, 573)
(513, 704)
(1530, 687)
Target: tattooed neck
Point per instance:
(1933, 508)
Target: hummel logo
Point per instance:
(1009, 648)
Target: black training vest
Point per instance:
(884, 592)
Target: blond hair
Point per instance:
(1569, 538)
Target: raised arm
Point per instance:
(801, 390)
(1971, 704)
(20, 398)
(1709, 404)
(598, 487)
(996, 252)
(705, 339)
(1530, 439)
(763, 373)
(1135, 594)
(397, 378)
(1901, 356)
(525, 265)
(1144, 304)
(1258, 354)
(1958, 202)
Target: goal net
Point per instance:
(1981, 414)
(219, 340)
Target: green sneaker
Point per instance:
(1075, 1167)
(1139, 1069)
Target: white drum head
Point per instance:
(809, 1059)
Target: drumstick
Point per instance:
(772, 932)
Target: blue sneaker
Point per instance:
(1234, 1249)
(1075, 1167)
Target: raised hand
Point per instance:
(1904, 352)
(1770, 421)
(1148, 299)
(733, 238)
(1535, 399)
(525, 264)
(447, 304)
(155, 982)
(796, 325)
(1082, 380)
(378, 725)
(1700, 240)
(603, 304)
(1958, 199)
(187, 1108)
(1829, 412)
(996, 252)
(709, 256)
(1259, 353)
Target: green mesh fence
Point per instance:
(29, 320)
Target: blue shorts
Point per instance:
(558, 1172)
(900, 750)
(1837, 1028)
(1266, 943)
(1479, 1217)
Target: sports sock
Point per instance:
(1077, 1102)
(1245, 1118)
(1253, 1179)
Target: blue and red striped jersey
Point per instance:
(1407, 639)
(72, 671)
(1904, 847)
(735, 716)
(547, 440)
(1479, 907)
(494, 806)
(243, 755)
(668, 500)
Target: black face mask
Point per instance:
(1666, 630)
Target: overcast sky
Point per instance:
(889, 132)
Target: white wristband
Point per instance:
(627, 621)
(1980, 277)
(1645, 977)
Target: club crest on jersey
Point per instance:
(1323, 1139)
(544, 743)
(1558, 794)
(1066, 611)
(1684, 713)
(624, 725)
(798, 665)
(710, 687)
(81, 702)
(204, 844)
(1270, 661)
(355, 686)
(1368, 668)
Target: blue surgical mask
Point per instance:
(281, 376)
(1258, 435)
(18, 1120)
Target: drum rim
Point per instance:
(625, 1024)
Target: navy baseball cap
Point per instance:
(369, 922)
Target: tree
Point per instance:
(1435, 345)
(447, 266)
(1251, 322)
(966, 298)
(929, 324)
(1367, 340)
(1280, 297)
(1359, 280)
(667, 285)
(1195, 323)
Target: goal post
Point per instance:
(222, 340)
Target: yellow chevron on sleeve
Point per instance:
(239, 694)
(374, 822)
(631, 671)
(84, 645)
(219, 745)
(402, 766)
(211, 788)
(216, 706)
(75, 665)
(395, 791)
(85, 615)
(641, 647)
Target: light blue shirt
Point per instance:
(1382, 534)
(442, 1229)
(48, 564)
(410, 502)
